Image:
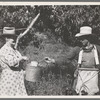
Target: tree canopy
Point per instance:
(59, 21)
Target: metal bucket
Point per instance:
(33, 73)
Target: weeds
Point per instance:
(50, 85)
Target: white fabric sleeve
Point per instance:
(11, 61)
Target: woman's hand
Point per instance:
(76, 73)
(25, 58)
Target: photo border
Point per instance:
(50, 0)
(52, 97)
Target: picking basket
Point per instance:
(33, 73)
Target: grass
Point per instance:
(54, 80)
(49, 85)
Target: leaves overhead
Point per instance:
(62, 21)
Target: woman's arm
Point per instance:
(13, 61)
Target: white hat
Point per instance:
(8, 31)
(85, 30)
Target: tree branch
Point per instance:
(22, 34)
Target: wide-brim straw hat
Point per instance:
(8, 31)
(84, 31)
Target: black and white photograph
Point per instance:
(49, 49)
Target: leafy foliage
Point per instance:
(63, 22)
